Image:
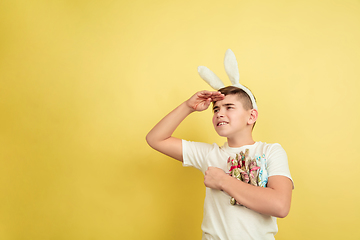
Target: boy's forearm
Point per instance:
(160, 137)
(273, 200)
(165, 128)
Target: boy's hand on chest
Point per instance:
(214, 178)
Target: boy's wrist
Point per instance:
(224, 181)
(189, 108)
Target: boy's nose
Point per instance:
(219, 114)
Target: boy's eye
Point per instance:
(216, 110)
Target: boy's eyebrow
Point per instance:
(226, 105)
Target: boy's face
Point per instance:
(230, 118)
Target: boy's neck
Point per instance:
(239, 142)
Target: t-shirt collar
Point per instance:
(239, 149)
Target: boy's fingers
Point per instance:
(210, 95)
(205, 93)
(210, 92)
(217, 98)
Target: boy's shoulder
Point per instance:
(268, 145)
(265, 147)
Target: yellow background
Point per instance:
(82, 82)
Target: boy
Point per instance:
(234, 118)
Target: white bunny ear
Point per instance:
(231, 67)
(210, 77)
(232, 70)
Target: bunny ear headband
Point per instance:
(231, 68)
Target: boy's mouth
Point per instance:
(222, 123)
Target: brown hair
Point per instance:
(243, 96)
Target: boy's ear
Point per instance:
(253, 116)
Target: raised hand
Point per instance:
(200, 101)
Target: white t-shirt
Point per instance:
(221, 219)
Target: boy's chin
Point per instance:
(221, 134)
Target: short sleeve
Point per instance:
(195, 153)
(278, 162)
